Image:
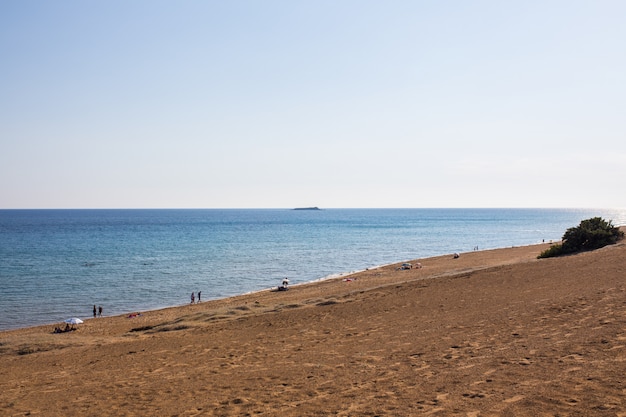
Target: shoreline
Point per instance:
(48, 284)
(330, 277)
(493, 332)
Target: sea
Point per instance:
(58, 264)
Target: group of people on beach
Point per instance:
(193, 297)
(67, 328)
(98, 311)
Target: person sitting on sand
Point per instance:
(285, 285)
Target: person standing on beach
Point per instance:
(99, 311)
(199, 295)
(193, 298)
(94, 311)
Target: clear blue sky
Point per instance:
(274, 104)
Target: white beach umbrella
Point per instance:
(74, 320)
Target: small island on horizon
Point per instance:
(307, 208)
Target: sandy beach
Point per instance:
(491, 333)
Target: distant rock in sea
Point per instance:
(307, 208)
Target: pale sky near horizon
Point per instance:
(272, 104)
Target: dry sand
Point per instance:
(492, 333)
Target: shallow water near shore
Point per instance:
(56, 264)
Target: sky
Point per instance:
(335, 104)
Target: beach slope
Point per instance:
(491, 333)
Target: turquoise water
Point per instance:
(56, 264)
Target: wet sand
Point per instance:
(492, 333)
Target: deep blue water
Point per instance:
(56, 264)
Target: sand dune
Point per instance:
(492, 333)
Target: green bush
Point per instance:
(591, 234)
(554, 250)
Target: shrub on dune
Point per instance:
(591, 234)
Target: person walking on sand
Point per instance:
(193, 298)
(199, 295)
